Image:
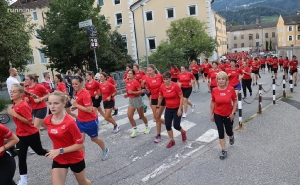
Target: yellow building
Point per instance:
(221, 36)
(288, 34)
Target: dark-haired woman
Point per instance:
(174, 72)
(195, 70)
(128, 66)
(246, 80)
(60, 86)
(286, 64)
(255, 70)
(113, 82)
(133, 92)
(87, 119)
(235, 76)
(172, 94)
(139, 74)
(212, 75)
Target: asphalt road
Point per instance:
(141, 161)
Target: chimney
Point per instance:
(244, 22)
(257, 20)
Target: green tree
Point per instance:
(68, 46)
(189, 35)
(271, 45)
(15, 33)
(267, 45)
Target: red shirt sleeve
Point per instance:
(42, 89)
(86, 101)
(137, 84)
(76, 135)
(160, 92)
(178, 90)
(5, 132)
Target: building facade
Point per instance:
(220, 36)
(252, 37)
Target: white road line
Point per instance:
(193, 151)
(186, 125)
(208, 136)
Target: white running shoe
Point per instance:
(22, 182)
(193, 107)
(30, 151)
(184, 115)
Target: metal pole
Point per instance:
(240, 109)
(96, 60)
(291, 83)
(274, 95)
(283, 83)
(259, 98)
(145, 35)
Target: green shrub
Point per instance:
(3, 104)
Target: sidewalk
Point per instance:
(266, 152)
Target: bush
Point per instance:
(3, 104)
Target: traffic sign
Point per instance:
(94, 43)
(85, 23)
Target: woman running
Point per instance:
(235, 76)
(133, 92)
(47, 83)
(37, 99)
(87, 119)
(185, 81)
(108, 91)
(7, 162)
(174, 72)
(139, 74)
(246, 80)
(128, 66)
(286, 64)
(275, 64)
(27, 133)
(205, 66)
(68, 81)
(195, 70)
(60, 86)
(171, 92)
(212, 76)
(255, 69)
(67, 143)
(294, 69)
(153, 83)
(262, 64)
(222, 109)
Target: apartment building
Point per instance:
(289, 35)
(252, 37)
(220, 36)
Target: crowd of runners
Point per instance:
(168, 93)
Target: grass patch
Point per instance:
(3, 104)
(248, 119)
(289, 96)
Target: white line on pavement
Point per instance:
(208, 136)
(186, 125)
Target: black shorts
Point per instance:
(205, 74)
(39, 113)
(255, 72)
(187, 92)
(196, 76)
(286, 69)
(174, 79)
(155, 101)
(96, 102)
(280, 65)
(262, 66)
(109, 104)
(76, 168)
(275, 70)
(68, 104)
(293, 71)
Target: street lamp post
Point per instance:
(142, 5)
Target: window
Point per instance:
(117, 2)
(31, 62)
(234, 37)
(192, 10)
(119, 20)
(250, 37)
(266, 35)
(36, 33)
(257, 44)
(149, 16)
(43, 58)
(242, 45)
(290, 38)
(152, 43)
(257, 36)
(242, 36)
(124, 38)
(235, 45)
(298, 28)
(290, 28)
(34, 16)
(100, 2)
(170, 13)
(298, 37)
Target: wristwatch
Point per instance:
(61, 151)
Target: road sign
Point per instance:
(92, 31)
(94, 43)
(85, 23)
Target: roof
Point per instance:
(30, 4)
(252, 26)
(294, 19)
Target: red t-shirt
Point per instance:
(195, 68)
(250, 63)
(255, 66)
(212, 74)
(174, 72)
(222, 66)
(40, 91)
(240, 63)
(139, 76)
(84, 98)
(61, 87)
(134, 85)
(205, 67)
(223, 100)
(286, 63)
(234, 76)
(171, 95)
(5, 133)
(107, 90)
(185, 79)
(24, 129)
(92, 87)
(247, 70)
(125, 75)
(275, 63)
(63, 135)
(281, 61)
(111, 80)
(293, 64)
(270, 61)
(153, 85)
(262, 61)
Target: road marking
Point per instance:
(193, 151)
(186, 125)
(208, 136)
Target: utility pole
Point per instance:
(145, 37)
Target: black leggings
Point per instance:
(246, 83)
(34, 142)
(7, 169)
(222, 121)
(170, 115)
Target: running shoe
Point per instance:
(253, 84)
(116, 128)
(22, 182)
(184, 115)
(231, 141)
(193, 107)
(145, 108)
(194, 91)
(198, 90)
(105, 154)
(116, 112)
(171, 143)
(134, 133)
(42, 128)
(157, 139)
(183, 136)
(250, 93)
(223, 154)
(104, 122)
(295, 84)
(30, 151)
(245, 97)
(147, 130)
